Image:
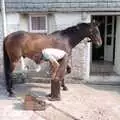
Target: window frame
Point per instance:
(30, 23)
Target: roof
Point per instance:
(62, 5)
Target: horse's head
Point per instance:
(94, 33)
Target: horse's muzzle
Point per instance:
(98, 44)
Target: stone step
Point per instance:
(34, 77)
(104, 80)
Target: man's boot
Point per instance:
(55, 91)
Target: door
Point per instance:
(109, 38)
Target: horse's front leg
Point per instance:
(68, 69)
(23, 66)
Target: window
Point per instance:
(38, 23)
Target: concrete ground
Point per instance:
(80, 102)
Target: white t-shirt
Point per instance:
(53, 54)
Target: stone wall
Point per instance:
(80, 61)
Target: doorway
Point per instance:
(103, 57)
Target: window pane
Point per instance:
(109, 29)
(38, 23)
(34, 23)
(109, 20)
(109, 40)
(42, 23)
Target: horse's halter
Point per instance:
(92, 36)
(89, 41)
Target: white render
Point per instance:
(117, 47)
(64, 20)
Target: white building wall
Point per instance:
(1, 44)
(13, 22)
(117, 47)
(51, 23)
(64, 20)
(24, 22)
(0, 27)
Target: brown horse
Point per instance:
(27, 44)
(73, 35)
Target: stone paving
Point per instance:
(80, 102)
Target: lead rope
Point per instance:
(71, 60)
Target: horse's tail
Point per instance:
(6, 61)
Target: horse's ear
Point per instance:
(95, 23)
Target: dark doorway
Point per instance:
(103, 57)
(98, 53)
(107, 30)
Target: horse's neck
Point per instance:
(76, 39)
(57, 35)
(74, 36)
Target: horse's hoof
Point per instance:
(54, 98)
(11, 95)
(68, 70)
(65, 88)
(48, 95)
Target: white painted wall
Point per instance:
(51, 23)
(24, 22)
(1, 37)
(117, 47)
(13, 22)
(64, 20)
(0, 27)
(16, 21)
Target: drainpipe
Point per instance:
(3, 18)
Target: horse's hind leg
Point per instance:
(9, 84)
(63, 85)
(9, 81)
(68, 70)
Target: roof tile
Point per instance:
(62, 5)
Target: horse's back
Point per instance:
(16, 39)
(23, 43)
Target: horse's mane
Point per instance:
(74, 28)
(73, 34)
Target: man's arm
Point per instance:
(55, 66)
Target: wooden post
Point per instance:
(3, 18)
